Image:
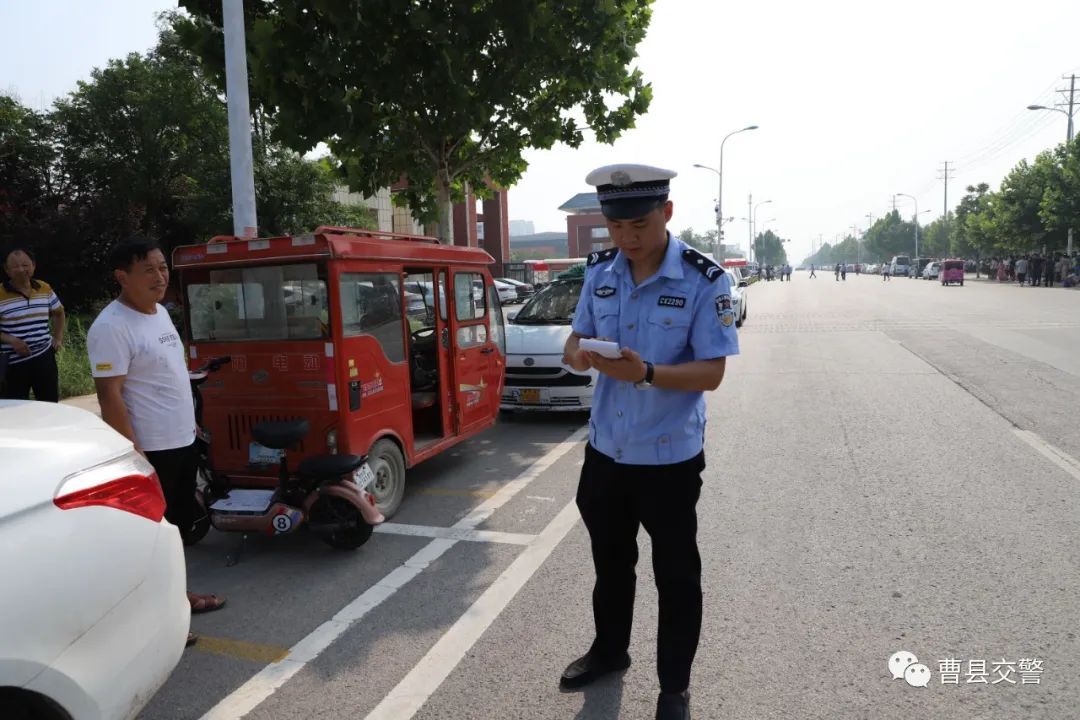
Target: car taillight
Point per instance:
(128, 483)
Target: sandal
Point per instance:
(205, 603)
(192, 638)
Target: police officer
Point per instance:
(669, 309)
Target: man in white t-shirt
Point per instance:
(140, 373)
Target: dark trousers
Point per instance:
(614, 501)
(176, 470)
(39, 375)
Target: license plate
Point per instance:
(529, 397)
(259, 455)
(364, 476)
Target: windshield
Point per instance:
(554, 305)
(902, 260)
(279, 302)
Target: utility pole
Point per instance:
(750, 218)
(1069, 139)
(946, 174)
(241, 162)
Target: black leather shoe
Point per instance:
(587, 669)
(673, 706)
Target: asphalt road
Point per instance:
(891, 467)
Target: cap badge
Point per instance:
(620, 178)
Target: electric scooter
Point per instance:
(327, 493)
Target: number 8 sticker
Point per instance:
(282, 523)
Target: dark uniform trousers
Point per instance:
(614, 500)
(39, 374)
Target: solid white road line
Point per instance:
(490, 536)
(485, 509)
(266, 682)
(1055, 455)
(417, 687)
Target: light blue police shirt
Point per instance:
(682, 313)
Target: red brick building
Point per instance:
(486, 226)
(585, 227)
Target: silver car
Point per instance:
(536, 378)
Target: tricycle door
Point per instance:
(472, 350)
(497, 337)
(372, 352)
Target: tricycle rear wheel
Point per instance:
(332, 509)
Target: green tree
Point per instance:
(1060, 205)
(889, 235)
(971, 234)
(705, 243)
(769, 249)
(446, 93)
(29, 187)
(935, 240)
(142, 146)
(1016, 207)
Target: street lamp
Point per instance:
(1068, 138)
(720, 192)
(916, 218)
(753, 224)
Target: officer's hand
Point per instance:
(577, 360)
(629, 368)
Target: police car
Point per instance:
(536, 379)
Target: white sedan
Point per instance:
(507, 293)
(536, 379)
(93, 614)
(740, 291)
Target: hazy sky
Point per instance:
(856, 100)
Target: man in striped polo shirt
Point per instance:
(26, 305)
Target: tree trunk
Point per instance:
(446, 210)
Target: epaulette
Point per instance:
(601, 256)
(702, 264)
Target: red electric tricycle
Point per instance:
(356, 352)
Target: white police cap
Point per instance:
(629, 191)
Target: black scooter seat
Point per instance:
(280, 435)
(329, 466)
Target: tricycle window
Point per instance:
(371, 305)
(274, 302)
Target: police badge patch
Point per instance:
(724, 313)
(603, 292)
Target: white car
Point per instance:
(931, 271)
(93, 612)
(507, 293)
(536, 378)
(739, 294)
(524, 289)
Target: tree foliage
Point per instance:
(142, 146)
(769, 249)
(446, 93)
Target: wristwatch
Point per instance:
(647, 382)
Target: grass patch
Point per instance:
(73, 362)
